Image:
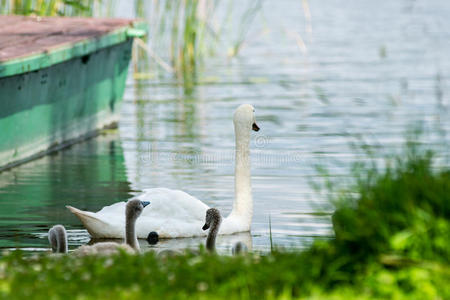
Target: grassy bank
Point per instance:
(280, 275)
(392, 242)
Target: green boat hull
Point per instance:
(50, 108)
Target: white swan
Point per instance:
(177, 214)
(57, 235)
(213, 220)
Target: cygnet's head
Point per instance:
(244, 116)
(212, 216)
(134, 208)
(239, 248)
(57, 237)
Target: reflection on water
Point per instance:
(224, 243)
(368, 71)
(33, 196)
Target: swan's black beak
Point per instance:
(206, 226)
(255, 127)
(145, 203)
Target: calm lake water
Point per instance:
(360, 71)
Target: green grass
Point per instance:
(392, 242)
(290, 274)
(402, 209)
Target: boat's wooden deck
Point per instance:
(23, 36)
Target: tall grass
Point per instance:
(184, 32)
(179, 35)
(270, 235)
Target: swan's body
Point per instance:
(58, 238)
(213, 220)
(175, 213)
(103, 248)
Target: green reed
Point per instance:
(179, 31)
(270, 235)
(185, 32)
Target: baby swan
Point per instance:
(57, 239)
(213, 219)
(239, 248)
(134, 208)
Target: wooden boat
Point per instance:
(61, 80)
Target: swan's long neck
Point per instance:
(58, 239)
(243, 202)
(130, 233)
(212, 234)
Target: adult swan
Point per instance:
(175, 213)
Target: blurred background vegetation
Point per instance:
(188, 30)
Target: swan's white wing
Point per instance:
(172, 204)
(171, 214)
(103, 225)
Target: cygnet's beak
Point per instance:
(255, 127)
(206, 226)
(145, 203)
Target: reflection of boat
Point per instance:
(61, 79)
(224, 243)
(89, 174)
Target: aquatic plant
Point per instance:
(179, 31)
(185, 32)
